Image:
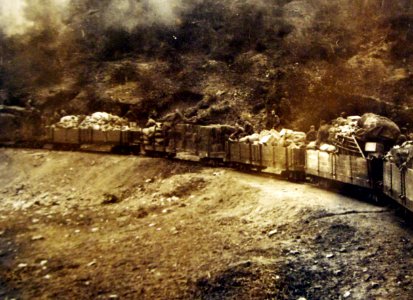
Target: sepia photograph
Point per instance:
(204, 149)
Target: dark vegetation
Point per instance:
(249, 56)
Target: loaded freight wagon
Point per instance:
(74, 138)
(197, 142)
(99, 129)
(398, 184)
(350, 160)
(268, 158)
(344, 168)
(187, 141)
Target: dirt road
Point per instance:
(90, 226)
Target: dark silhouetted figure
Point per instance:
(238, 133)
(311, 135)
(323, 133)
(248, 128)
(273, 120)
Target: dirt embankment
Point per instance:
(83, 226)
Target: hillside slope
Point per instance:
(217, 61)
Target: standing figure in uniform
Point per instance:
(273, 121)
(311, 135)
(323, 133)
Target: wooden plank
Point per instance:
(234, 151)
(256, 155)
(219, 137)
(267, 156)
(113, 137)
(205, 141)
(72, 136)
(360, 171)
(296, 159)
(408, 203)
(387, 178)
(342, 168)
(311, 162)
(191, 136)
(280, 159)
(325, 164)
(59, 135)
(396, 181)
(99, 137)
(179, 132)
(85, 136)
(126, 137)
(245, 153)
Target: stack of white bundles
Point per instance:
(284, 138)
(289, 137)
(253, 138)
(105, 122)
(312, 145)
(269, 137)
(328, 148)
(68, 122)
(347, 128)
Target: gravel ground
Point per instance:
(96, 226)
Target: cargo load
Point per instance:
(97, 121)
(347, 134)
(68, 122)
(327, 148)
(401, 155)
(285, 138)
(375, 128)
(343, 127)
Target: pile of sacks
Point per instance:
(401, 155)
(97, 121)
(284, 138)
(340, 128)
(367, 128)
(375, 128)
(344, 127)
(104, 121)
(68, 122)
(323, 147)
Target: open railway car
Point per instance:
(74, 138)
(210, 143)
(344, 168)
(398, 184)
(192, 142)
(271, 158)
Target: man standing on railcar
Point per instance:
(238, 133)
(323, 133)
(311, 135)
(272, 120)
